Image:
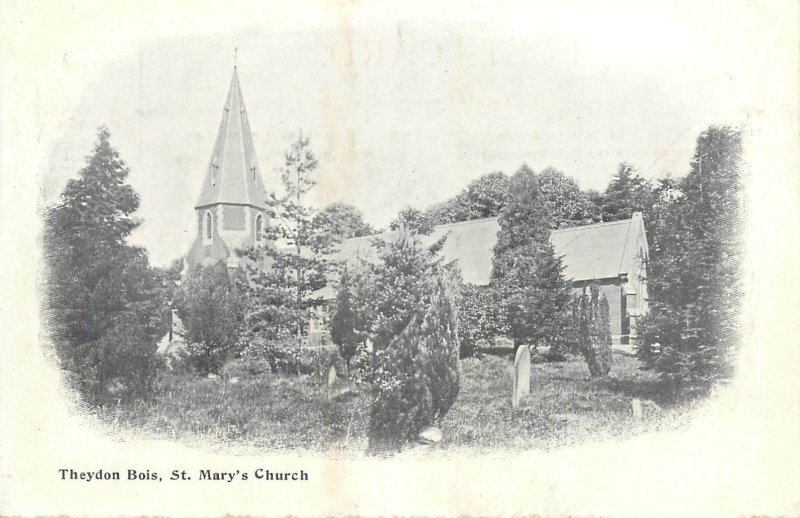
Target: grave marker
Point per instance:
(522, 375)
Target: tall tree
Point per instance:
(691, 334)
(626, 193)
(280, 295)
(96, 283)
(526, 273)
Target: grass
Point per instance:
(270, 412)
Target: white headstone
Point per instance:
(522, 375)
(332, 375)
(430, 435)
(636, 406)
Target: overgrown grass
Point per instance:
(269, 412)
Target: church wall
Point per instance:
(225, 239)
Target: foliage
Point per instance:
(483, 198)
(526, 274)
(480, 318)
(626, 193)
(343, 320)
(280, 282)
(691, 335)
(592, 328)
(415, 337)
(212, 309)
(95, 281)
(342, 221)
(567, 205)
(413, 220)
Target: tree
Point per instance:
(414, 220)
(626, 193)
(280, 296)
(96, 283)
(343, 321)
(212, 309)
(691, 335)
(342, 221)
(592, 328)
(415, 337)
(567, 205)
(483, 198)
(526, 274)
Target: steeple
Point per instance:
(233, 175)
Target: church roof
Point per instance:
(233, 175)
(599, 251)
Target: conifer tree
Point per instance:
(343, 320)
(97, 286)
(415, 339)
(527, 276)
(592, 328)
(691, 334)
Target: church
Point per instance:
(231, 213)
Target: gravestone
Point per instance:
(332, 375)
(636, 407)
(522, 375)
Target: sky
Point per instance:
(405, 110)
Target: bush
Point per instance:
(212, 309)
(122, 364)
(415, 379)
(592, 330)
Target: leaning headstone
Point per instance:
(430, 435)
(332, 375)
(522, 375)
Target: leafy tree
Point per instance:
(526, 274)
(567, 205)
(95, 282)
(212, 309)
(343, 320)
(483, 198)
(626, 193)
(691, 335)
(592, 328)
(280, 296)
(342, 221)
(414, 220)
(415, 339)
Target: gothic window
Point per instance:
(208, 227)
(259, 227)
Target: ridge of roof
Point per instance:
(593, 225)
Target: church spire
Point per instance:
(233, 175)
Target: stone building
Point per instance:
(613, 254)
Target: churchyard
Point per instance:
(260, 412)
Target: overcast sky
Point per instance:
(407, 110)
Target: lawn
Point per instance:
(267, 412)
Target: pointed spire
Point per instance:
(233, 175)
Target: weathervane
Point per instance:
(235, 53)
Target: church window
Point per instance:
(259, 227)
(208, 227)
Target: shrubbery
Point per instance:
(592, 329)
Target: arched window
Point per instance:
(208, 227)
(259, 227)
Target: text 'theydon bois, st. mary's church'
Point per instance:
(232, 213)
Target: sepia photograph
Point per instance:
(412, 245)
